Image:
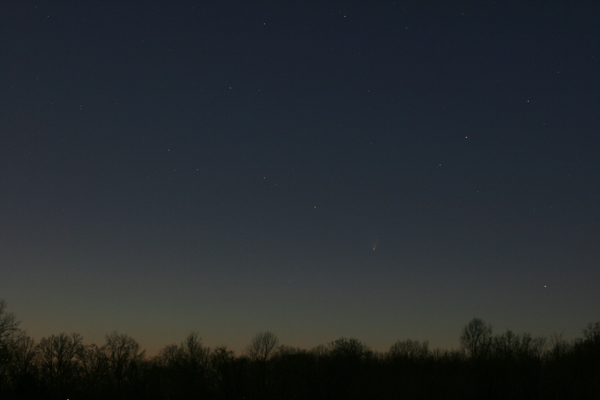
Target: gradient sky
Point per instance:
(378, 170)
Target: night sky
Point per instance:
(377, 170)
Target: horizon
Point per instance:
(154, 351)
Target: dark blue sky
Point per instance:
(380, 171)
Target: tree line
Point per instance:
(486, 365)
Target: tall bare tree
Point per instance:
(94, 367)
(591, 333)
(223, 363)
(195, 354)
(262, 347)
(57, 359)
(124, 357)
(476, 338)
(260, 350)
(185, 367)
(8, 322)
(24, 352)
(9, 327)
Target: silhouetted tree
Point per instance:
(259, 351)
(295, 374)
(508, 365)
(348, 369)
(409, 350)
(9, 327)
(476, 341)
(349, 349)
(558, 348)
(511, 346)
(57, 361)
(124, 360)
(20, 369)
(556, 375)
(24, 352)
(8, 323)
(514, 365)
(320, 351)
(185, 368)
(229, 374)
(262, 346)
(506, 345)
(586, 354)
(94, 370)
(591, 334)
(195, 355)
(406, 362)
(168, 356)
(476, 338)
